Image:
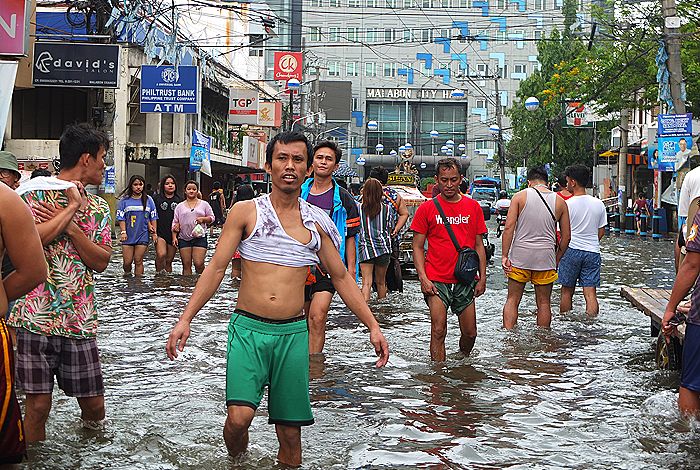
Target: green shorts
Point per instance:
(269, 353)
(455, 296)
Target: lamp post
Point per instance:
(379, 148)
(292, 85)
(433, 135)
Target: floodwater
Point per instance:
(585, 394)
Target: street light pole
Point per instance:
(499, 142)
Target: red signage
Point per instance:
(288, 65)
(14, 30)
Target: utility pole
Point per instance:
(622, 164)
(673, 46)
(499, 143)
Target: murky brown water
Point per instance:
(585, 394)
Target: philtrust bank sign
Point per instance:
(408, 94)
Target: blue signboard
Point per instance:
(201, 146)
(169, 89)
(675, 124)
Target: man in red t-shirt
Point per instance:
(436, 271)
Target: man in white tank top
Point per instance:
(530, 252)
(268, 338)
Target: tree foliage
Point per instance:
(614, 71)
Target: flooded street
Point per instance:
(585, 394)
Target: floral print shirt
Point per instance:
(64, 305)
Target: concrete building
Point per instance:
(405, 58)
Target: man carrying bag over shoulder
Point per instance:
(447, 274)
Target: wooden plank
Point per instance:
(652, 302)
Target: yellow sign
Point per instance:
(401, 179)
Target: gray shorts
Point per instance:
(74, 362)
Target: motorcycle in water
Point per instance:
(489, 247)
(501, 215)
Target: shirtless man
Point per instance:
(20, 240)
(278, 236)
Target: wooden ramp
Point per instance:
(652, 302)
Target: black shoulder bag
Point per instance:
(556, 239)
(467, 265)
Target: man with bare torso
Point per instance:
(19, 239)
(278, 236)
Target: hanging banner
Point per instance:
(675, 143)
(201, 147)
(243, 106)
(288, 65)
(169, 89)
(8, 71)
(14, 27)
(577, 115)
(109, 183)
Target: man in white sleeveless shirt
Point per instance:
(278, 236)
(530, 252)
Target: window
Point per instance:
(502, 71)
(407, 36)
(352, 34)
(372, 35)
(333, 34)
(445, 33)
(354, 3)
(316, 3)
(481, 70)
(426, 35)
(482, 145)
(539, 4)
(255, 47)
(371, 3)
(389, 70)
(538, 34)
(314, 34)
(351, 69)
(480, 104)
(334, 3)
(355, 103)
(519, 68)
(558, 4)
(501, 36)
(502, 4)
(370, 69)
(425, 3)
(391, 4)
(388, 35)
(333, 69)
(464, 3)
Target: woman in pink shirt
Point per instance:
(190, 229)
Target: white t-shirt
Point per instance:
(689, 191)
(587, 215)
(502, 204)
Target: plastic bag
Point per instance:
(198, 231)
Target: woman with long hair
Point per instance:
(245, 192)
(137, 215)
(374, 244)
(189, 229)
(166, 201)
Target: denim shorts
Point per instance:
(200, 242)
(579, 265)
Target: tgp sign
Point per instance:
(14, 27)
(169, 89)
(243, 106)
(288, 65)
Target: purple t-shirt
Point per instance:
(692, 243)
(187, 217)
(323, 200)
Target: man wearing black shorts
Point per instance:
(322, 191)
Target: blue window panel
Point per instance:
(462, 58)
(484, 5)
(358, 116)
(463, 27)
(520, 3)
(445, 44)
(500, 57)
(427, 58)
(483, 42)
(481, 112)
(408, 73)
(537, 18)
(444, 73)
(501, 20)
(518, 37)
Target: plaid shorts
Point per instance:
(74, 362)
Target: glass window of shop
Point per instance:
(396, 127)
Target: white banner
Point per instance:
(243, 106)
(8, 72)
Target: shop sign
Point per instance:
(408, 94)
(243, 106)
(169, 89)
(577, 114)
(200, 156)
(14, 27)
(76, 65)
(288, 65)
(270, 114)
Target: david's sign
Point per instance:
(75, 65)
